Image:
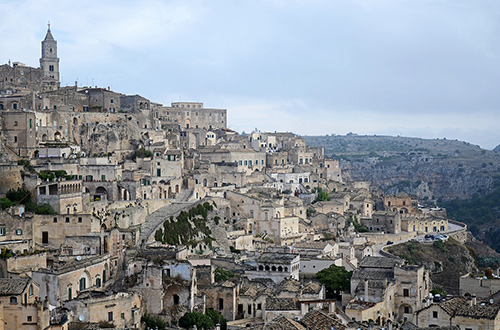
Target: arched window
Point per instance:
(273, 268)
(83, 284)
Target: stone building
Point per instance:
(65, 281)
(276, 266)
(122, 309)
(65, 197)
(387, 290)
(458, 311)
(192, 115)
(383, 221)
(21, 305)
(49, 62)
(402, 203)
(19, 132)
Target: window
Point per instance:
(67, 219)
(122, 315)
(15, 123)
(29, 318)
(176, 299)
(30, 291)
(221, 304)
(406, 293)
(110, 316)
(15, 139)
(2, 231)
(79, 219)
(82, 283)
(19, 231)
(13, 300)
(259, 307)
(407, 309)
(55, 219)
(435, 314)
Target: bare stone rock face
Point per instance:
(436, 168)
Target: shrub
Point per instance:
(5, 203)
(153, 322)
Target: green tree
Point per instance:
(153, 321)
(322, 195)
(5, 203)
(16, 195)
(202, 321)
(44, 209)
(222, 274)
(336, 279)
(217, 318)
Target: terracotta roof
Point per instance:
(281, 304)
(283, 323)
(319, 320)
(13, 286)
(378, 262)
(277, 258)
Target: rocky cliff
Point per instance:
(430, 169)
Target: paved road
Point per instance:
(421, 238)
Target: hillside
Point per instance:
(429, 168)
(448, 260)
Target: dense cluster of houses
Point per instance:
(113, 168)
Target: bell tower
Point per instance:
(49, 62)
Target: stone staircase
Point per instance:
(155, 220)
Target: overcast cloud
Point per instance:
(417, 68)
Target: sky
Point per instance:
(416, 68)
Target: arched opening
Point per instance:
(176, 188)
(98, 281)
(261, 267)
(176, 299)
(57, 136)
(105, 274)
(84, 281)
(405, 311)
(267, 268)
(273, 268)
(75, 121)
(100, 193)
(44, 137)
